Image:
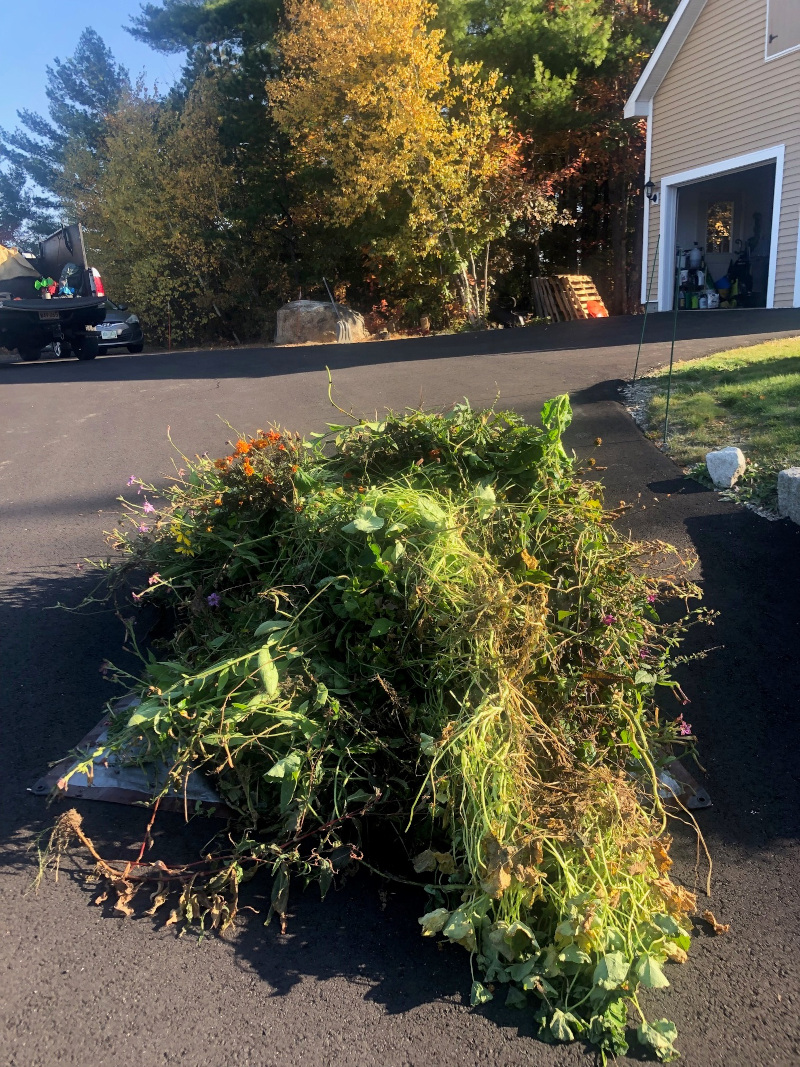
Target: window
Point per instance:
(783, 27)
(719, 228)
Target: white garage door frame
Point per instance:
(669, 214)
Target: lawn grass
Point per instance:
(748, 397)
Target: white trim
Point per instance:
(767, 57)
(648, 151)
(669, 201)
(796, 295)
(664, 54)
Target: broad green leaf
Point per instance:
(394, 552)
(288, 767)
(479, 994)
(366, 521)
(611, 971)
(666, 924)
(268, 671)
(270, 626)
(431, 514)
(644, 678)
(516, 998)
(520, 938)
(572, 954)
(649, 973)
(381, 627)
(433, 922)
(146, 712)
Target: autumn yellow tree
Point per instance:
(369, 96)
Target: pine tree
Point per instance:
(81, 91)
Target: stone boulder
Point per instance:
(789, 493)
(725, 466)
(318, 321)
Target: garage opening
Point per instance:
(724, 232)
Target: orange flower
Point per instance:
(242, 448)
(268, 480)
(273, 436)
(247, 467)
(218, 500)
(221, 464)
(281, 448)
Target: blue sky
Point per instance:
(33, 34)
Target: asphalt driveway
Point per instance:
(351, 983)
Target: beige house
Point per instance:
(721, 95)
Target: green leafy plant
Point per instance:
(426, 624)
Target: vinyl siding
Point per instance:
(720, 99)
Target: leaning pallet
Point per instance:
(581, 291)
(564, 297)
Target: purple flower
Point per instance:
(609, 620)
(154, 578)
(651, 598)
(143, 527)
(148, 507)
(644, 653)
(132, 480)
(213, 600)
(684, 728)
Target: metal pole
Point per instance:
(646, 305)
(672, 347)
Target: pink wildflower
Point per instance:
(684, 728)
(143, 527)
(132, 480)
(609, 620)
(651, 598)
(148, 507)
(154, 578)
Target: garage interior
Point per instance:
(728, 219)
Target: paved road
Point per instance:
(351, 983)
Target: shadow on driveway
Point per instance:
(699, 332)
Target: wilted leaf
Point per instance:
(479, 994)
(717, 927)
(433, 922)
(425, 861)
(559, 1026)
(660, 1036)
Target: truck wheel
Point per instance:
(135, 349)
(62, 349)
(87, 348)
(30, 353)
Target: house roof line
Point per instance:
(672, 40)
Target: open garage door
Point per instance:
(719, 234)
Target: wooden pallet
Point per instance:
(580, 290)
(564, 297)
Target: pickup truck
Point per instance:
(29, 321)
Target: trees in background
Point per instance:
(82, 91)
(418, 156)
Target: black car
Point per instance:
(120, 329)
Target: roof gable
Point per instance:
(672, 40)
